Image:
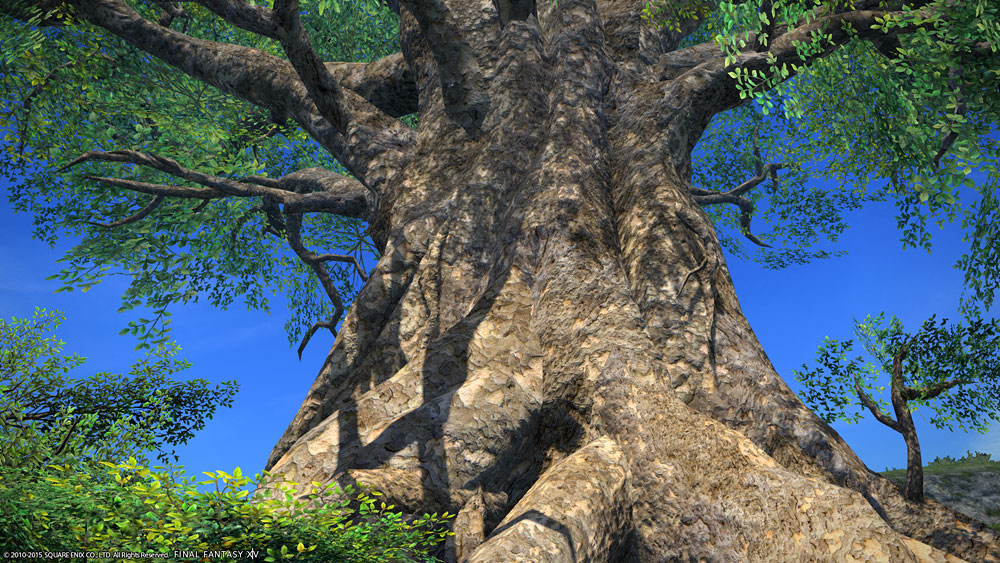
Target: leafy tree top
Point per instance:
(954, 369)
(104, 416)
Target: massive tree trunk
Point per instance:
(551, 345)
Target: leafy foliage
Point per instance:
(71, 475)
(875, 124)
(55, 111)
(127, 507)
(104, 416)
(937, 354)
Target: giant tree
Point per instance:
(550, 344)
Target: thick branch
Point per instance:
(325, 92)
(387, 83)
(629, 38)
(255, 19)
(370, 138)
(309, 190)
(877, 412)
(453, 42)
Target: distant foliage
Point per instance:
(106, 416)
(970, 458)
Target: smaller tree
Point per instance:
(106, 416)
(923, 367)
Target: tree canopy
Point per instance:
(105, 416)
(932, 361)
(902, 118)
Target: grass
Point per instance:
(972, 462)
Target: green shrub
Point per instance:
(74, 474)
(129, 508)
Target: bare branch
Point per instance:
(344, 258)
(312, 189)
(222, 186)
(158, 189)
(142, 213)
(294, 221)
(735, 195)
(631, 39)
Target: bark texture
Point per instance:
(551, 346)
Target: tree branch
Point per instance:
(710, 89)
(65, 439)
(363, 142)
(955, 83)
(142, 213)
(387, 83)
(325, 92)
(255, 19)
(309, 190)
(735, 195)
(294, 222)
(452, 41)
(911, 393)
(171, 11)
(877, 412)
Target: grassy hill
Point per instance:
(951, 479)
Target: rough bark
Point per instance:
(551, 345)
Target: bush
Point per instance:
(74, 475)
(129, 508)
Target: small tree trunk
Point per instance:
(914, 489)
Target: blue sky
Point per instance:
(790, 310)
